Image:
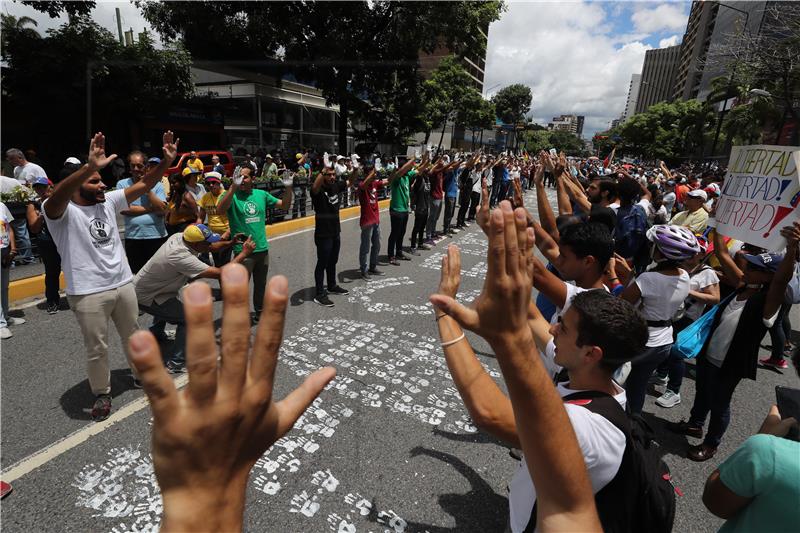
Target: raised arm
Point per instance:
(732, 272)
(55, 206)
(318, 181)
(153, 176)
(777, 289)
(402, 171)
(500, 314)
(489, 408)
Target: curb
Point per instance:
(24, 288)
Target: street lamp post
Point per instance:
(730, 83)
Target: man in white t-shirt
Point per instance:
(9, 250)
(593, 337)
(159, 283)
(25, 173)
(82, 219)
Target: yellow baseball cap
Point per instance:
(199, 233)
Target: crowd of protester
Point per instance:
(631, 259)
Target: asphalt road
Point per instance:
(387, 447)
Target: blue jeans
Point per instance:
(170, 311)
(369, 234)
(23, 238)
(642, 367)
(674, 365)
(714, 391)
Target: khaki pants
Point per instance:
(93, 312)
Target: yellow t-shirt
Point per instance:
(197, 163)
(218, 223)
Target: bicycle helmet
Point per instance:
(674, 242)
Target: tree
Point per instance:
(45, 89)
(512, 103)
(362, 55)
(537, 140)
(55, 8)
(768, 59)
(666, 130)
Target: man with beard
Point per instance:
(602, 192)
(82, 220)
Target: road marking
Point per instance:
(47, 454)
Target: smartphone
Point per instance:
(240, 237)
(788, 400)
(553, 152)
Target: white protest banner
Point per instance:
(760, 194)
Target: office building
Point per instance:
(570, 123)
(633, 96)
(475, 66)
(658, 77)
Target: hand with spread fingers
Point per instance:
(501, 309)
(207, 437)
(97, 158)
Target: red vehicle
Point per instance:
(225, 159)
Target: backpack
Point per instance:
(641, 496)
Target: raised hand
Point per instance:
(519, 200)
(207, 437)
(170, 148)
(451, 272)
(500, 312)
(97, 152)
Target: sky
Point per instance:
(578, 56)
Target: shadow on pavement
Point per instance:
(480, 509)
(302, 296)
(669, 442)
(349, 276)
(77, 401)
(478, 438)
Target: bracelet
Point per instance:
(450, 343)
(440, 316)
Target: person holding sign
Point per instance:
(731, 349)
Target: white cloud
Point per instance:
(665, 17)
(669, 41)
(569, 57)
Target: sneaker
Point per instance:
(412, 251)
(14, 321)
(376, 272)
(669, 399)
(336, 289)
(774, 363)
(52, 309)
(655, 379)
(323, 300)
(404, 257)
(454, 230)
(429, 243)
(393, 261)
(365, 276)
(424, 246)
(467, 224)
(175, 368)
(5, 333)
(101, 408)
(684, 428)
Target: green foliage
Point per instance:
(362, 55)
(55, 8)
(541, 139)
(665, 131)
(512, 103)
(45, 87)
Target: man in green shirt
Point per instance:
(247, 213)
(398, 210)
